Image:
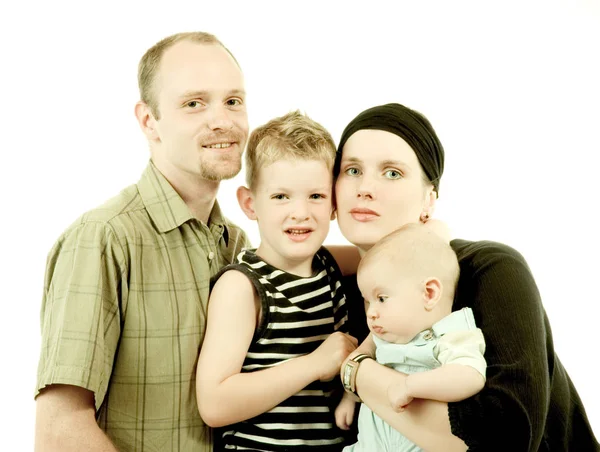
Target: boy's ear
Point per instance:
(432, 292)
(246, 202)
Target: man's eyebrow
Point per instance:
(202, 94)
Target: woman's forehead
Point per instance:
(378, 145)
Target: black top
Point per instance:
(529, 402)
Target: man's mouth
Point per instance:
(218, 145)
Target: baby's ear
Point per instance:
(432, 292)
(246, 202)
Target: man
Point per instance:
(126, 286)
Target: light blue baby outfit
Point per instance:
(454, 339)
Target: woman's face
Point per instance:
(380, 187)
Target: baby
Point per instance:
(408, 281)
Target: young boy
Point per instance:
(276, 319)
(408, 281)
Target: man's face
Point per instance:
(203, 124)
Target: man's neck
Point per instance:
(197, 193)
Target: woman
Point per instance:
(388, 171)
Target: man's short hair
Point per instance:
(150, 62)
(291, 136)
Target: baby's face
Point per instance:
(395, 303)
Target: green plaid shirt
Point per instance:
(124, 313)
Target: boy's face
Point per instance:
(395, 303)
(293, 207)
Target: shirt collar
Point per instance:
(166, 208)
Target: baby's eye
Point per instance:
(279, 196)
(317, 196)
(393, 174)
(352, 172)
(381, 298)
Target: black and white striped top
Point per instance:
(298, 313)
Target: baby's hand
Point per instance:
(398, 396)
(344, 413)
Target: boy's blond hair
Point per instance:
(415, 251)
(291, 136)
(149, 63)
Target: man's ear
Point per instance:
(432, 292)
(146, 120)
(246, 202)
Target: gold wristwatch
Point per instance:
(350, 370)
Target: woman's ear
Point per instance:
(432, 292)
(430, 199)
(246, 202)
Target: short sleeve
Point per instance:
(85, 285)
(463, 347)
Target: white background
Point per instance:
(511, 87)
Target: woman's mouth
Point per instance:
(363, 215)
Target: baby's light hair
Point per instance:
(416, 251)
(291, 136)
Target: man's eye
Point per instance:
(234, 102)
(193, 104)
(352, 171)
(393, 174)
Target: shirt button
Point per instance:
(210, 256)
(428, 335)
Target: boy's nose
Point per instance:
(300, 212)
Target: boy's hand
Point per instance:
(330, 355)
(398, 396)
(344, 413)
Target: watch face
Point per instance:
(347, 373)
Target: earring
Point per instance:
(424, 217)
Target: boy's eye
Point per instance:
(393, 174)
(193, 104)
(352, 172)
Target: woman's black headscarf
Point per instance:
(409, 125)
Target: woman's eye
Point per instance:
(393, 174)
(352, 171)
(317, 196)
